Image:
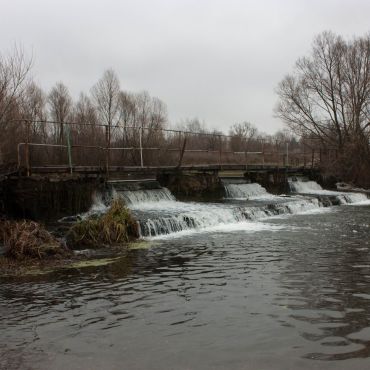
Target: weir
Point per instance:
(48, 194)
(327, 197)
(159, 213)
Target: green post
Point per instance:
(68, 134)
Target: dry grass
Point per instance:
(115, 227)
(28, 239)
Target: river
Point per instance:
(241, 284)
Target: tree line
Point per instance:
(327, 99)
(324, 103)
(106, 115)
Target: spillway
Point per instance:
(335, 197)
(159, 213)
(246, 191)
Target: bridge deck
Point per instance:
(163, 169)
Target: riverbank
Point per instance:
(28, 247)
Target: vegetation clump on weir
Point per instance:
(28, 239)
(114, 227)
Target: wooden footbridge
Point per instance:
(134, 171)
(50, 148)
(54, 168)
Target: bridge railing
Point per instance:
(69, 145)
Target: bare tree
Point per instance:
(60, 105)
(14, 72)
(86, 115)
(241, 135)
(14, 75)
(106, 97)
(328, 96)
(33, 108)
(85, 111)
(128, 109)
(195, 130)
(193, 125)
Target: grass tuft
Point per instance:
(28, 239)
(117, 226)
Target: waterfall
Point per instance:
(159, 213)
(351, 198)
(188, 216)
(196, 216)
(304, 186)
(327, 197)
(294, 206)
(144, 196)
(246, 191)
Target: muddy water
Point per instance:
(284, 293)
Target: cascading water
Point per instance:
(144, 196)
(329, 196)
(246, 191)
(304, 186)
(187, 216)
(159, 213)
(293, 206)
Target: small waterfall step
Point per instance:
(326, 197)
(195, 216)
(241, 189)
(137, 192)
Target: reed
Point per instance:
(28, 239)
(117, 226)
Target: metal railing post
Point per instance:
(28, 124)
(287, 154)
(246, 154)
(313, 157)
(141, 146)
(220, 152)
(107, 149)
(182, 151)
(68, 134)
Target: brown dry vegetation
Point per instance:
(115, 227)
(28, 239)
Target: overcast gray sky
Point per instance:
(218, 60)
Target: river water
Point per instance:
(279, 287)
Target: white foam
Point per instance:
(160, 215)
(173, 217)
(312, 187)
(245, 226)
(304, 186)
(361, 203)
(98, 205)
(134, 197)
(246, 191)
